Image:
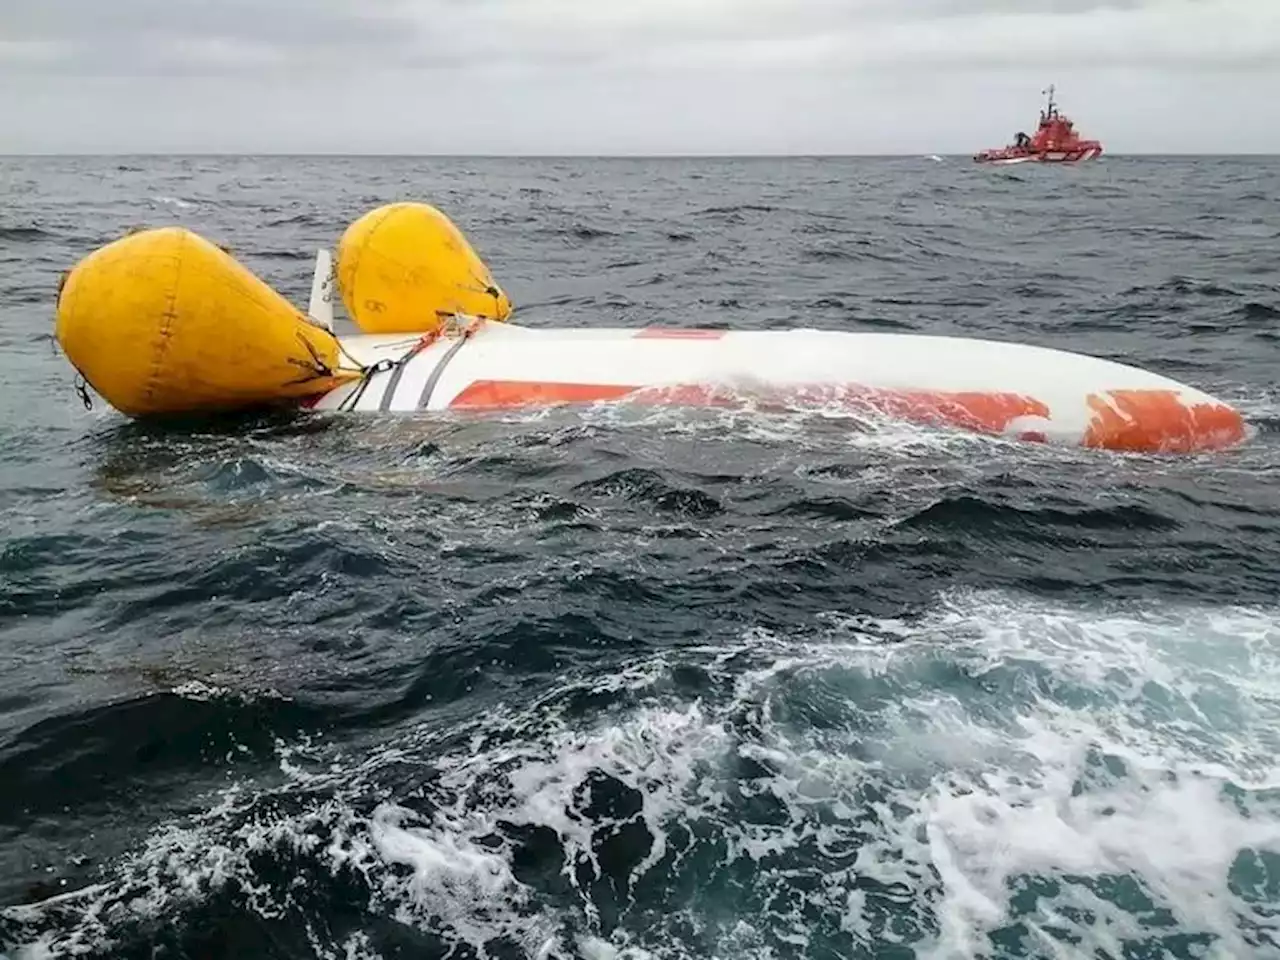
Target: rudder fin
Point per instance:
(320, 307)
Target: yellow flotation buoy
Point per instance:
(164, 322)
(405, 268)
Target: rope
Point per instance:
(82, 390)
(449, 326)
(317, 368)
(482, 285)
(367, 371)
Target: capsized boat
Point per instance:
(1055, 141)
(164, 322)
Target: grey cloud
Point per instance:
(222, 37)
(146, 37)
(847, 34)
(630, 75)
(284, 22)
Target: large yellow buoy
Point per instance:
(404, 268)
(164, 322)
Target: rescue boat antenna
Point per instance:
(1051, 110)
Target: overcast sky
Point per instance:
(632, 76)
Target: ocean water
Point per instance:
(679, 685)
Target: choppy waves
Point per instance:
(632, 684)
(994, 773)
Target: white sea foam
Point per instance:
(176, 202)
(999, 767)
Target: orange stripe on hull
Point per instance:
(983, 412)
(1156, 421)
(507, 394)
(678, 333)
(1147, 421)
(969, 410)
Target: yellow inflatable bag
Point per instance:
(405, 268)
(165, 322)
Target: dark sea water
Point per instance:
(689, 685)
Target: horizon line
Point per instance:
(897, 155)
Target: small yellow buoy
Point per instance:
(404, 267)
(164, 322)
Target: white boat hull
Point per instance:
(1003, 389)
